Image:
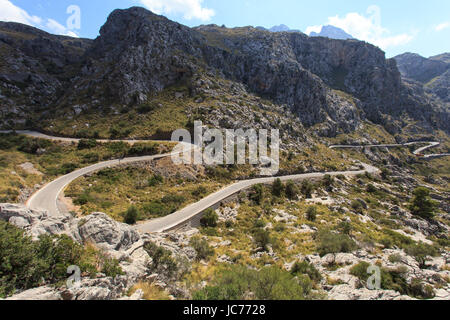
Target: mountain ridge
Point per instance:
(138, 54)
(332, 32)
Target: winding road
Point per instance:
(47, 197)
(430, 144)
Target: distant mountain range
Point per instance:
(280, 28)
(331, 32)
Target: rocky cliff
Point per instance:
(433, 73)
(139, 54)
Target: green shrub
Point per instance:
(257, 194)
(357, 206)
(421, 252)
(311, 213)
(131, 215)
(64, 169)
(87, 144)
(259, 224)
(395, 258)
(111, 267)
(155, 180)
(143, 149)
(209, 219)
(145, 108)
(26, 264)
(371, 188)
(277, 188)
(31, 146)
(330, 242)
(385, 173)
(308, 269)
(393, 238)
(345, 227)
(119, 149)
(418, 290)
(199, 192)
(262, 238)
(91, 157)
(269, 283)
(307, 188)
(202, 248)
(156, 208)
(328, 182)
(422, 205)
(162, 260)
(173, 199)
(291, 190)
(360, 271)
(394, 279)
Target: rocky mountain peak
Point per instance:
(332, 32)
(139, 54)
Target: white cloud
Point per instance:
(190, 9)
(11, 13)
(442, 26)
(315, 29)
(57, 28)
(368, 28)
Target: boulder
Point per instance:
(347, 292)
(106, 233)
(41, 293)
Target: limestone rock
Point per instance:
(103, 231)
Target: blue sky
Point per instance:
(396, 26)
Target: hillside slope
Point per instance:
(138, 55)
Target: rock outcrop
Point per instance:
(139, 54)
(115, 239)
(432, 73)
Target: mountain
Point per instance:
(332, 33)
(432, 73)
(329, 84)
(280, 28)
(444, 57)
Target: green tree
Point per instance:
(307, 189)
(131, 215)
(328, 182)
(421, 204)
(210, 218)
(257, 194)
(162, 260)
(277, 188)
(291, 190)
(421, 252)
(330, 242)
(385, 173)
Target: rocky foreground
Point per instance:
(120, 241)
